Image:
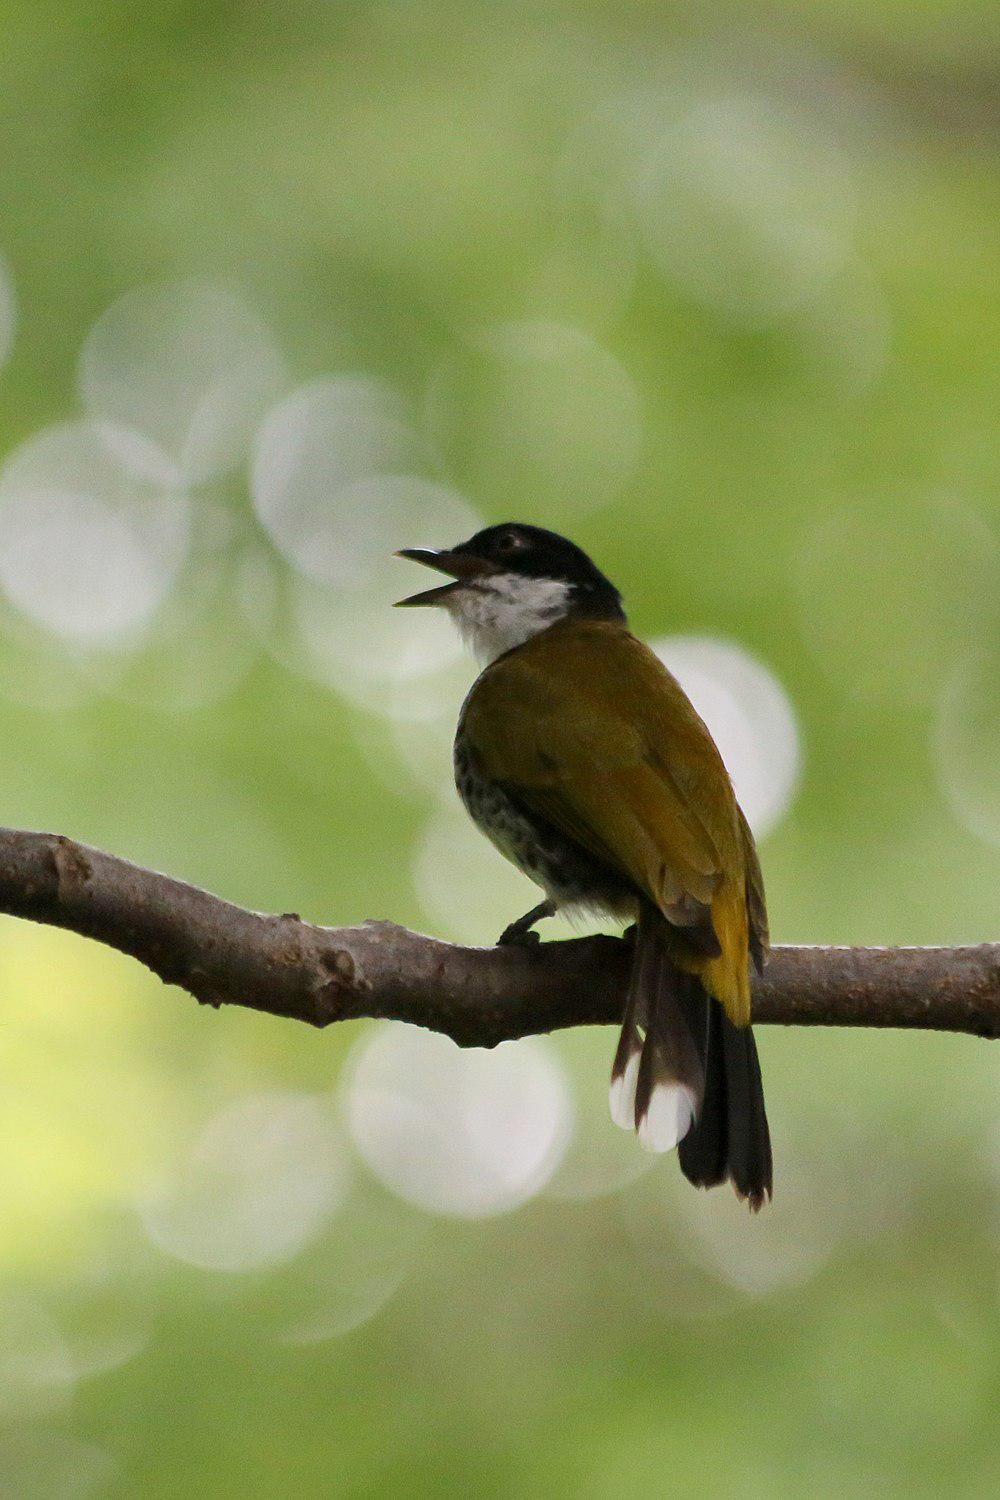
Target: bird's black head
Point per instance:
(511, 582)
(533, 552)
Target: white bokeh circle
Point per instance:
(37, 1374)
(178, 374)
(89, 551)
(349, 637)
(321, 480)
(748, 714)
(462, 1132)
(740, 202)
(259, 1183)
(356, 1269)
(965, 743)
(198, 649)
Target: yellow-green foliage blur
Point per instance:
(285, 286)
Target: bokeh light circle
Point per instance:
(779, 1248)
(89, 551)
(198, 648)
(349, 637)
(37, 1373)
(259, 1183)
(463, 1132)
(965, 743)
(320, 477)
(356, 1269)
(741, 204)
(178, 374)
(749, 715)
(106, 1313)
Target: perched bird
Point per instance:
(580, 757)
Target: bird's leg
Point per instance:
(520, 931)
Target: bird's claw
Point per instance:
(516, 936)
(519, 934)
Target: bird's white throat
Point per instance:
(496, 614)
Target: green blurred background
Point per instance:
(285, 286)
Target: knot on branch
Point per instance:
(338, 977)
(73, 868)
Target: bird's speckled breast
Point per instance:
(568, 874)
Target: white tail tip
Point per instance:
(669, 1117)
(622, 1095)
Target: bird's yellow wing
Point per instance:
(585, 727)
(760, 936)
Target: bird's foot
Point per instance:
(516, 936)
(519, 933)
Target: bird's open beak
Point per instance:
(460, 567)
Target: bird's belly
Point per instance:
(568, 874)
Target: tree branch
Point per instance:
(224, 955)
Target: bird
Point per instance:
(580, 757)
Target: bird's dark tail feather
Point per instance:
(730, 1138)
(683, 1073)
(658, 1076)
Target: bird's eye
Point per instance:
(510, 542)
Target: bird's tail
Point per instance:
(730, 1138)
(658, 1077)
(685, 1075)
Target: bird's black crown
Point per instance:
(536, 553)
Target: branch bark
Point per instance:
(225, 955)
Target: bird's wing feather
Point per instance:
(614, 775)
(760, 937)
